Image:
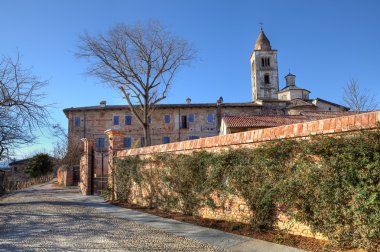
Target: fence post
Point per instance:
(115, 143)
(86, 166)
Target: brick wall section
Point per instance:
(236, 209)
(85, 166)
(65, 175)
(115, 144)
(249, 138)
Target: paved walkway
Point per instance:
(46, 218)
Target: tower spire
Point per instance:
(262, 42)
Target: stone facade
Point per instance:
(175, 122)
(264, 74)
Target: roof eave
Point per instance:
(332, 103)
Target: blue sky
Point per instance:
(325, 43)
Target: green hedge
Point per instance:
(331, 184)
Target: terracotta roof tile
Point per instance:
(262, 120)
(318, 115)
(265, 121)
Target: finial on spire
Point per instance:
(262, 42)
(261, 25)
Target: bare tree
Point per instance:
(141, 61)
(21, 111)
(68, 150)
(357, 99)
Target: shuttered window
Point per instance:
(127, 142)
(128, 120)
(166, 140)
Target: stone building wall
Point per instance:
(260, 89)
(325, 106)
(93, 123)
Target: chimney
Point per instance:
(219, 101)
(102, 104)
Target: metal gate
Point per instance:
(99, 184)
(99, 173)
(76, 175)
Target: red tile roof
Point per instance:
(318, 115)
(253, 121)
(264, 121)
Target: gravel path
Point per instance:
(36, 220)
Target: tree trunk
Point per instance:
(147, 138)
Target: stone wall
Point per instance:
(63, 175)
(235, 208)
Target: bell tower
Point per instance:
(264, 70)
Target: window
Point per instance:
(149, 119)
(210, 118)
(193, 137)
(127, 142)
(142, 141)
(265, 62)
(266, 79)
(116, 120)
(167, 118)
(128, 120)
(190, 118)
(166, 140)
(77, 121)
(183, 122)
(100, 142)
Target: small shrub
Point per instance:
(126, 172)
(185, 176)
(278, 238)
(107, 193)
(39, 165)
